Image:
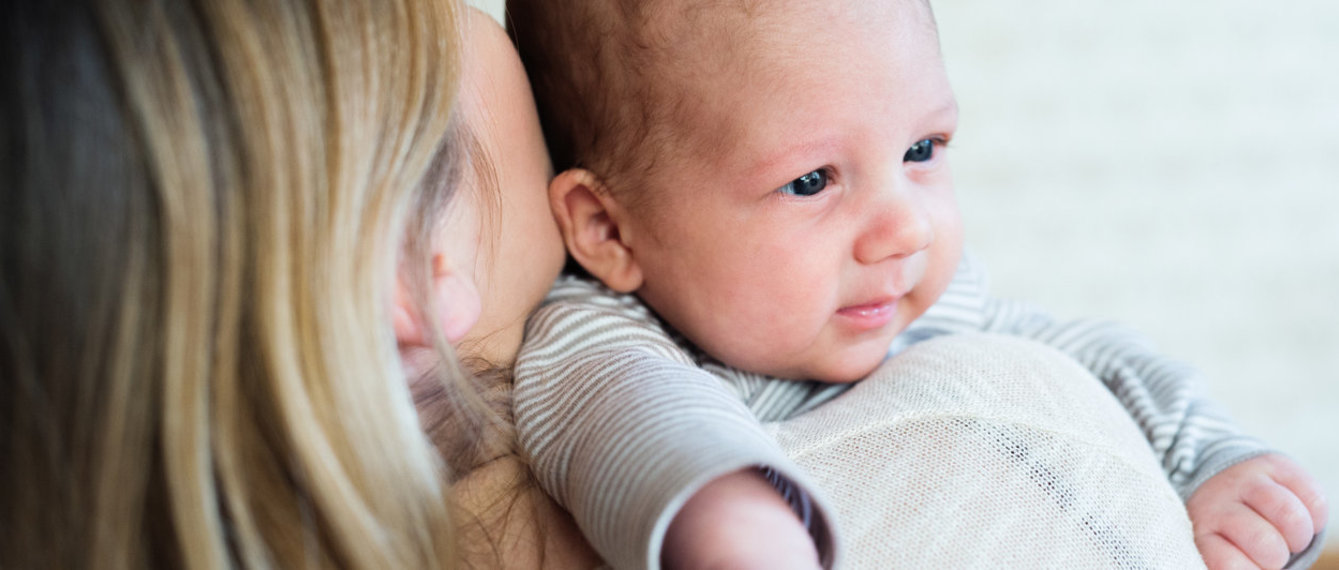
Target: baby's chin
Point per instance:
(822, 362)
(846, 374)
(844, 367)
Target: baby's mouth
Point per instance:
(870, 315)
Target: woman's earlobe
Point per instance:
(405, 317)
(593, 228)
(456, 306)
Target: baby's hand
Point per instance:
(1256, 514)
(738, 521)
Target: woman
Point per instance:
(495, 258)
(204, 206)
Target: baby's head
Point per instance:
(768, 176)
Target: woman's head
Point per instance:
(487, 258)
(523, 251)
(497, 250)
(202, 211)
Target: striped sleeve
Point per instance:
(622, 427)
(1192, 437)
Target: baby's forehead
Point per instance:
(671, 71)
(707, 51)
(687, 42)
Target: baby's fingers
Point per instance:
(1253, 536)
(1298, 481)
(1283, 509)
(1220, 554)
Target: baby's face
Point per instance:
(812, 216)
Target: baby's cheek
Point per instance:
(784, 342)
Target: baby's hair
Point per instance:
(598, 68)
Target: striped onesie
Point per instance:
(623, 420)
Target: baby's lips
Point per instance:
(871, 315)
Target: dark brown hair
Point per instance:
(598, 71)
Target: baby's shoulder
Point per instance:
(580, 316)
(574, 296)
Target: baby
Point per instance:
(763, 191)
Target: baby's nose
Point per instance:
(899, 226)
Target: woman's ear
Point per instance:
(454, 297)
(589, 219)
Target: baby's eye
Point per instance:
(807, 185)
(922, 151)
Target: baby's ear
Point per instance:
(455, 304)
(589, 219)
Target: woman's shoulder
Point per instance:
(507, 521)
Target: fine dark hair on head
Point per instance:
(594, 66)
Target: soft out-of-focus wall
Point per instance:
(1172, 165)
(493, 7)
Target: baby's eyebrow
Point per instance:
(949, 108)
(789, 157)
(773, 161)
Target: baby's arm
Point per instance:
(623, 429)
(738, 521)
(1189, 435)
(1206, 457)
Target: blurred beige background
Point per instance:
(1172, 165)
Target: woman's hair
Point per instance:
(470, 422)
(202, 205)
